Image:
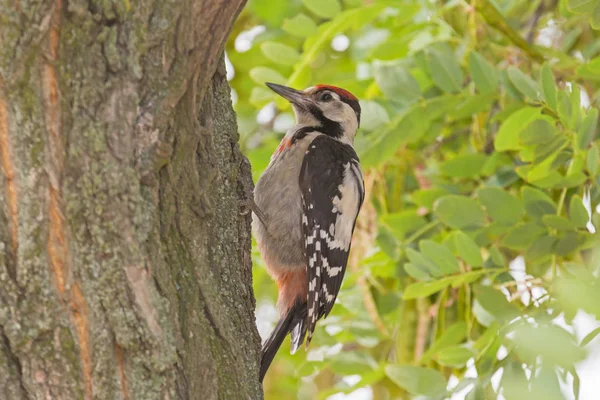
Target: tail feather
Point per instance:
(294, 322)
(298, 328)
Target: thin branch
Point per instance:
(424, 317)
(496, 20)
(533, 22)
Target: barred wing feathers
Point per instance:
(332, 187)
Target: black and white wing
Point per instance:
(332, 187)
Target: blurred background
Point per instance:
(474, 266)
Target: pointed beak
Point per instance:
(296, 97)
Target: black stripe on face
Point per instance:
(328, 127)
(351, 102)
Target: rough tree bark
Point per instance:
(125, 265)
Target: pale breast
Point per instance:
(277, 194)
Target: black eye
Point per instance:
(325, 97)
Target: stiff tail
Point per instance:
(293, 322)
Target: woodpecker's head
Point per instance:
(333, 109)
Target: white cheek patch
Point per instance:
(346, 116)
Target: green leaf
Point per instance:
(348, 362)
(396, 82)
(484, 74)
(500, 205)
(444, 69)
(590, 71)
(464, 165)
(261, 75)
(558, 222)
(524, 83)
(550, 149)
(402, 223)
(577, 212)
(280, 53)
(468, 277)
(537, 203)
(540, 131)
(576, 294)
(564, 107)
(346, 20)
(588, 129)
(593, 160)
(545, 385)
(521, 236)
(548, 86)
(471, 105)
(486, 339)
(391, 49)
(459, 212)
(496, 257)
(408, 127)
(300, 25)
(417, 380)
(424, 289)
(440, 255)
(270, 12)
(416, 272)
(373, 115)
(496, 303)
(468, 250)
(575, 99)
(455, 334)
(579, 271)
(509, 87)
(570, 242)
(423, 263)
(595, 18)
(454, 356)
(589, 337)
(508, 135)
(541, 248)
(426, 197)
(552, 343)
(323, 8)
(261, 96)
(581, 6)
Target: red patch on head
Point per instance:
(341, 92)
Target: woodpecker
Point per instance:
(310, 196)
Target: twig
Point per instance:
(532, 24)
(506, 285)
(496, 20)
(364, 237)
(422, 328)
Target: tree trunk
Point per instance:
(125, 268)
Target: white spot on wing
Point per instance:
(347, 206)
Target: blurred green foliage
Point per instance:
(476, 247)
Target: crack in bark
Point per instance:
(15, 360)
(9, 175)
(80, 319)
(57, 246)
(121, 367)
